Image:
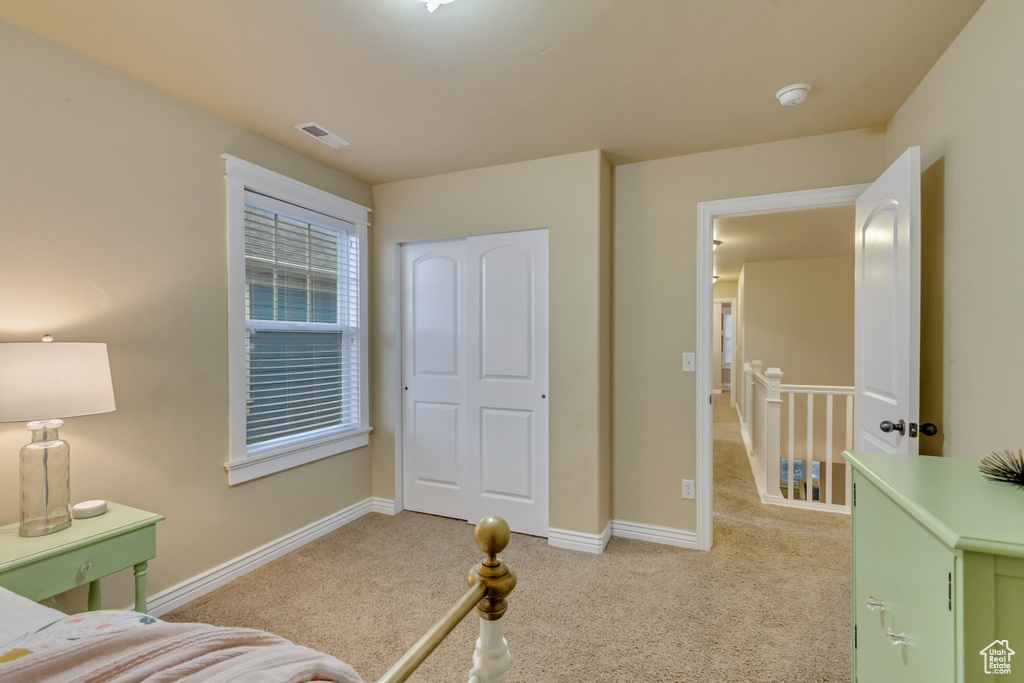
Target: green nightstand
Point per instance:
(40, 567)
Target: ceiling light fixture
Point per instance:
(434, 4)
(714, 244)
(793, 94)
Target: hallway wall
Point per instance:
(798, 317)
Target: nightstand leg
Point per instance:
(95, 600)
(140, 586)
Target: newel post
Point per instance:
(491, 658)
(773, 432)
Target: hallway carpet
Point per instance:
(770, 601)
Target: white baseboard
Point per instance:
(576, 540)
(681, 538)
(186, 591)
(383, 505)
(726, 386)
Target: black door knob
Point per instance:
(928, 429)
(888, 426)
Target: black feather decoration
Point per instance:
(1004, 466)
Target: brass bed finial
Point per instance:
(492, 536)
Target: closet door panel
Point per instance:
(507, 322)
(434, 411)
(507, 457)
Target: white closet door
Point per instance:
(434, 409)
(507, 379)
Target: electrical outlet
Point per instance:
(688, 489)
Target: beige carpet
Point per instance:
(770, 602)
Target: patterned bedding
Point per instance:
(122, 647)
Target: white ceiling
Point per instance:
(812, 233)
(484, 82)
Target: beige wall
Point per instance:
(798, 317)
(966, 116)
(726, 290)
(655, 298)
(569, 195)
(113, 230)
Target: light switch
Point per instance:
(689, 362)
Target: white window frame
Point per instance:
(258, 460)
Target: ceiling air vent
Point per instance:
(324, 136)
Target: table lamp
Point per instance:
(39, 383)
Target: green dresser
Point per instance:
(938, 571)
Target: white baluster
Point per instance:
(792, 448)
(773, 430)
(809, 459)
(491, 658)
(828, 449)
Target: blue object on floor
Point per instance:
(798, 470)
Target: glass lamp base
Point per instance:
(42, 527)
(45, 475)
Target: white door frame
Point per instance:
(731, 300)
(707, 212)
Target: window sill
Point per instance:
(269, 461)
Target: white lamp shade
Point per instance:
(42, 381)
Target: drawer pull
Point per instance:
(873, 603)
(896, 638)
(84, 567)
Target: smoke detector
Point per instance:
(322, 134)
(793, 94)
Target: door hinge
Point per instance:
(951, 591)
(855, 495)
(709, 400)
(855, 636)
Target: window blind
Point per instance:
(302, 320)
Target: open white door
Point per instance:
(888, 309)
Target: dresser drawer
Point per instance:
(77, 566)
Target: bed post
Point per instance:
(491, 658)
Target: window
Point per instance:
(296, 331)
